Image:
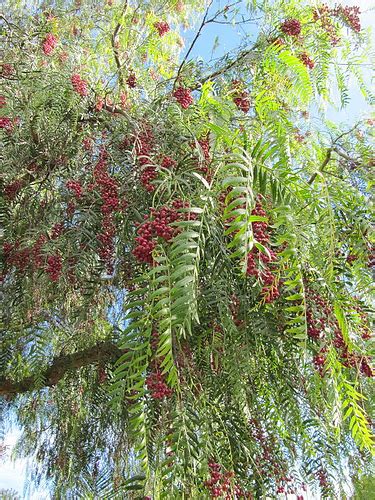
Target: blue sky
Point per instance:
(12, 474)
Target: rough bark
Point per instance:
(103, 352)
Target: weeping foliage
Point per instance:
(220, 242)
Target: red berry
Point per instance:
(291, 27)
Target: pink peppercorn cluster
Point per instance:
(168, 162)
(6, 70)
(320, 316)
(183, 97)
(155, 380)
(110, 203)
(131, 81)
(88, 143)
(33, 257)
(306, 59)
(6, 123)
(319, 361)
(57, 230)
(158, 225)
(259, 264)
(221, 484)
(75, 187)
(2, 101)
(143, 149)
(54, 267)
(15, 256)
(291, 27)
(79, 85)
(241, 97)
(350, 16)
(323, 15)
(162, 27)
(322, 477)
(266, 459)
(204, 165)
(12, 189)
(49, 44)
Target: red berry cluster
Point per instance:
(168, 162)
(105, 238)
(350, 16)
(2, 101)
(259, 264)
(14, 256)
(155, 381)
(49, 44)
(204, 166)
(221, 484)
(319, 315)
(57, 230)
(79, 85)
(54, 267)
(158, 226)
(131, 81)
(318, 312)
(6, 123)
(87, 143)
(241, 97)
(162, 27)
(6, 70)
(183, 97)
(76, 187)
(99, 103)
(306, 59)
(38, 259)
(108, 189)
(291, 27)
(322, 477)
(351, 258)
(147, 176)
(323, 15)
(11, 190)
(143, 150)
(365, 329)
(319, 361)
(266, 461)
(144, 145)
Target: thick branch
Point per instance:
(105, 351)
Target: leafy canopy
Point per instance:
(188, 255)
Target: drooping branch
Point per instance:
(103, 352)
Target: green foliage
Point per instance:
(223, 247)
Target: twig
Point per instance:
(197, 35)
(329, 153)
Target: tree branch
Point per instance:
(105, 351)
(329, 153)
(114, 40)
(203, 23)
